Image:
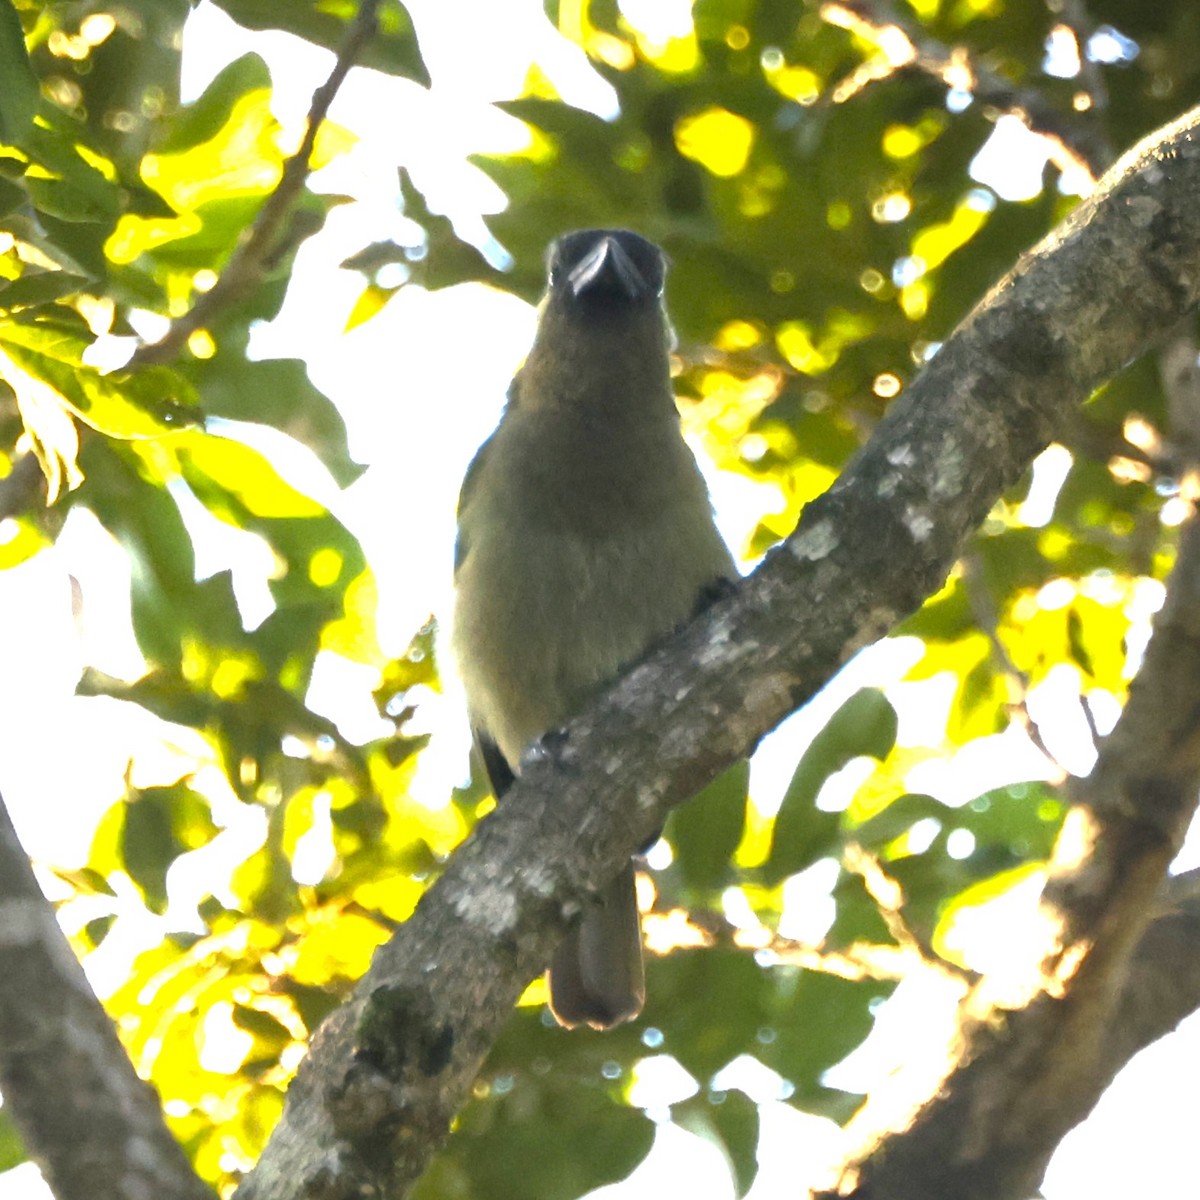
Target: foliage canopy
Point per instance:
(812, 172)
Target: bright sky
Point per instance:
(432, 134)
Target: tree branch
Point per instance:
(1162, 985)
(254, 255)
(1033, 1054)
(1076, 144)
(87, 1120)
(388, 1070)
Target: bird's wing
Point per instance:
(499, 773)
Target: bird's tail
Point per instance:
(596, 976)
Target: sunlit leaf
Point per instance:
(20, 540)
(717, 139)
(242, 157)
(864, 725)
(122, 404)
(337, 945)
(12, 1152)
(219, 469)
(52, 432)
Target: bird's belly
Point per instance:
(535, 644)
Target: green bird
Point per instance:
(585, 533)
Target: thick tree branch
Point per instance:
(1032, 1060)
(87, 1120)
(261, 245)
(387, 1072)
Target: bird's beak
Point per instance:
(607, 266)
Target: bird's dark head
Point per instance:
(603, 340)
(605, 271)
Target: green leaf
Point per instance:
(122, 404)
(706, 831)
(538, 1135)
(86, 880)
(393, 48)
(713, 1003)
(12, 196)
(900, 816)
(730, 1121)
(819, 1020)
(19, 91)
(82, 182)
(269, 1034)
(35, 288)
(864, 725)
(207, 116)
(276, 392)
(12, 1152)
(160, 825)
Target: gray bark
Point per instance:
(86, 1119)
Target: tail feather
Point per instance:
(597, 977)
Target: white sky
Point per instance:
(1129, 1144)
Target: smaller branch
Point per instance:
(905, 45)
(86, 1119)
(677, 929)
(889, 902)
(1089, 718)
(261, 247)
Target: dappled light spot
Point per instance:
(325, 566)
(717, 139)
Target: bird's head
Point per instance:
(603, 340)
(605, 272)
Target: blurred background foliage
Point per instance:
(815, 173)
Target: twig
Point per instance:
(677, 929)
(248, 262)
(889, 903)
(905, 45)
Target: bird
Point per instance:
(585, 533)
